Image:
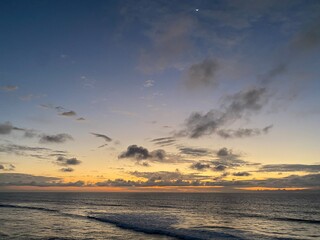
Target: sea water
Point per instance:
(256, 215)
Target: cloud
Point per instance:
(20, 179)
(241, 174)
(306, 40)
(165, 141)
(61, 111)
(103, 145)
(68, 113)
(202, 74)
(273, 73)
(293, 181)
(66, 169)
(176, 178)
(148, 83)
(166, 176)
(195, 152)
(135, 152)
(6, 128)
(8, 88)
(235, 107)
(290, 168)
(105, 137)
(139, 153)
(81, 119)
(37, 152)
(200, 166)
(243, 132)
(225, 160)
(67, 161)
(170, 42)
(58, 138)
(223, 152)
(7, 167)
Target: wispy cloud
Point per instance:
(35, 152)
(141, 154)
(8, 88)
(67, 161)
(235, 107)
(290, 168)
(203, 74)
(195, 152)
(67, 169)
(58, 138)
(148, 83)
(103, 136)
(20, 179)
(164, 141)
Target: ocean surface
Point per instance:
(160, 215)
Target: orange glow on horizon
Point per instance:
(272, 189)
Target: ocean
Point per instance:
(256, 215)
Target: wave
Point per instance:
(285, 219)
(28, 207)
(297, 220)
(159, 225)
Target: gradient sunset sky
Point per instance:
(159, 95)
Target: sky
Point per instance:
(159, 95)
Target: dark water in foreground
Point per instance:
(159, 216)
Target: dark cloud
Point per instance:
(202, 74)
(225, 160)
(6, 128)
(133, 151)
(200, 166)
(307, 40)
(178, 179)
(243, 132)
(273, 73)
(234, 107)
(58, 138)
(290, 168)
(241, 174)
(66, 169)
(21, 150)
(195, 152)
(105, 137)
(293, 181)
(164, 178)
(81, 119)
(8, 88)
(67, 161)
(61, 111)
(219, 167)
(158, 154)
(137, 153)
(223, 152)
(165, 141)
(20, 179)
(103, 145)
(68, 113)
(167, 176)
(141, 153)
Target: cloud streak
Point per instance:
(235, 107)
(203, 74)
(58, 138)
(105, 137)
